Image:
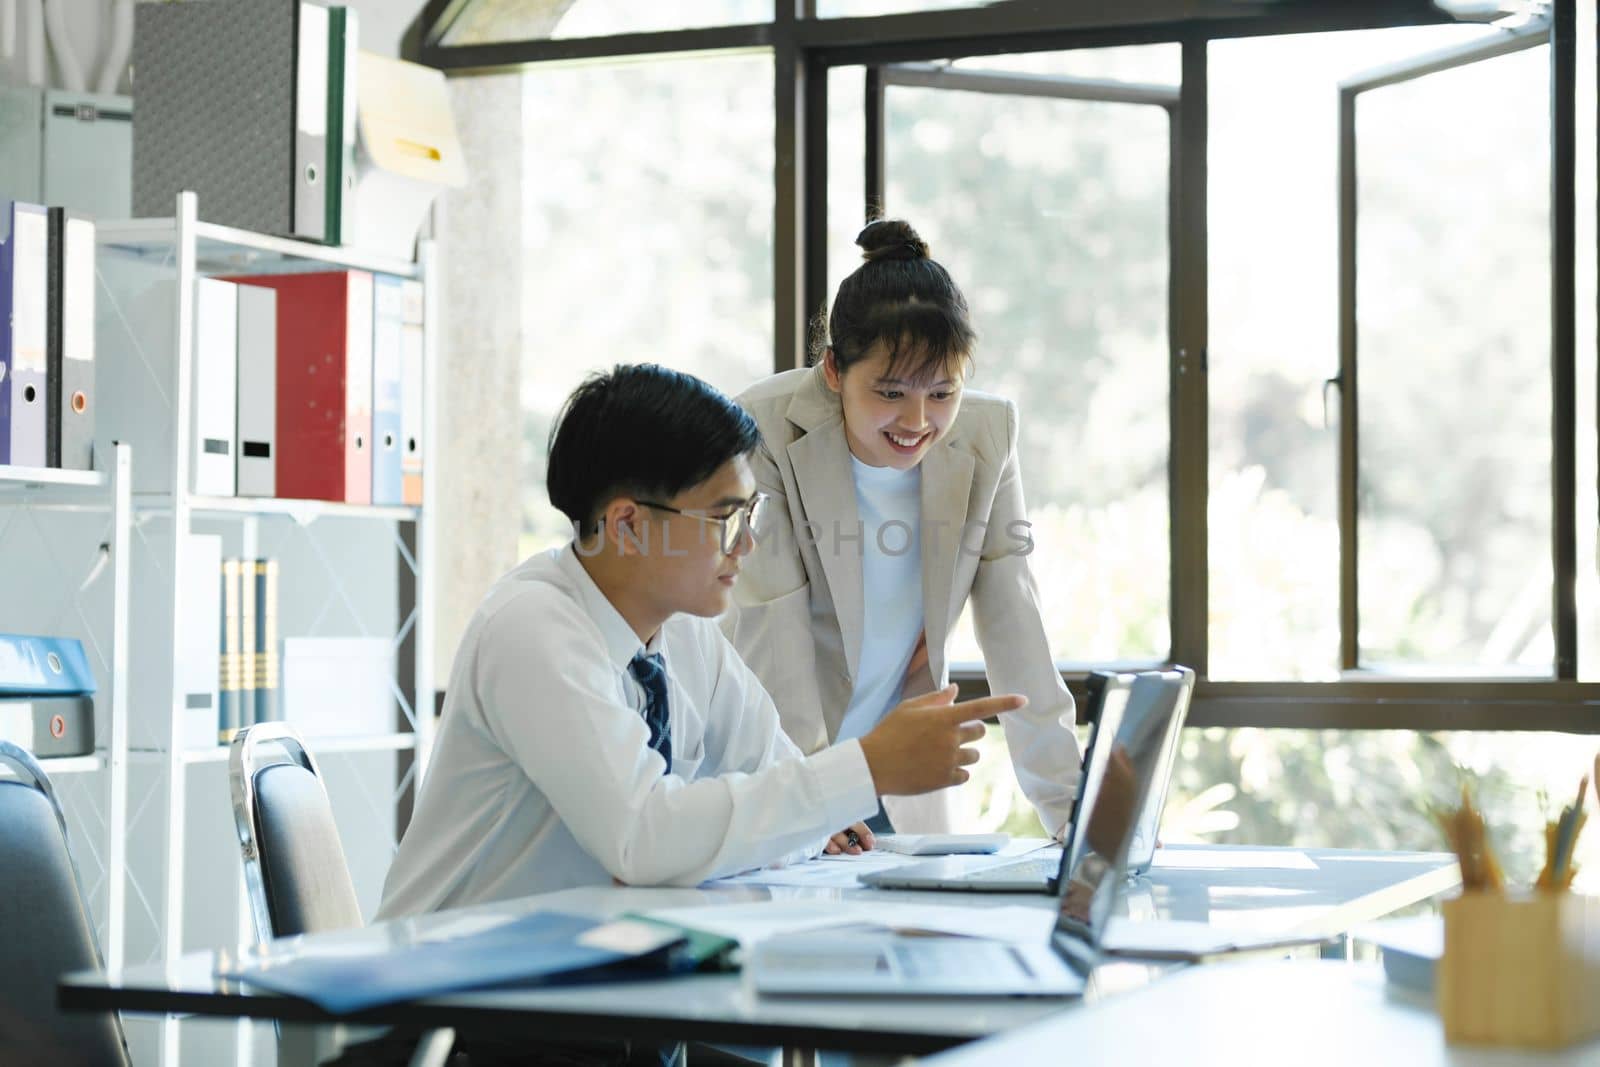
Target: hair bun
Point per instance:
(890, 239)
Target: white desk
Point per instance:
(1343, 889)
(1253, 1014)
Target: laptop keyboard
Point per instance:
(1040, 870)
(936, 958)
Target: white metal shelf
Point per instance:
(303, 512)
(58, 765)
(40, 477)
(224, 249)
(132, 258)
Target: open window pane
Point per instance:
(647, 235)
(1453, 297)
(1052, 216)
(1273, 322)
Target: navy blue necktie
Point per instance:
(651, 674)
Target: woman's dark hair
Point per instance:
(640, 430)
(901, 298)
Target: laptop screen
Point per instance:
(1096, 857)
(1108, 698)
(1141, 853)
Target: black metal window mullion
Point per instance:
(1349, 395)
(814, 253)
(875, 162)
(789, 168)
(1563, 389)
(1563, 336)
(1188, 288)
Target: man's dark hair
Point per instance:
(640, 430)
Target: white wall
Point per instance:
(89, 25)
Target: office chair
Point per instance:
(295, 872)
(45, 929)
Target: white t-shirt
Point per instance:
(889, 504)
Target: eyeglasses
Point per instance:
(747, 520)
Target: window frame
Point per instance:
(804, 47)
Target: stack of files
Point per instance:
(544, 947)
(228, 674)
(138, 368)
(69, 343)
(248, 664)
(256, 401)
(321, 447)
(250, 104)
(216, 382)
(388, 374)
(304, 386)
(24, 333)
(46, 695)
(412, 389)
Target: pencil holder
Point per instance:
(1520, 970)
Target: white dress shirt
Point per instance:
(889, 503)
(542, 776)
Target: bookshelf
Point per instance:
(74, 528)
(346, 570)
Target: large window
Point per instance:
(648, 235)
(1453, 349)
(1316, 427)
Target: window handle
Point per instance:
(1336, 382)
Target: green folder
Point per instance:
(705, 952)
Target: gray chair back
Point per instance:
(296, 874)
(45, 929)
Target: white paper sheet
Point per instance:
(824, 872)
(843, 871)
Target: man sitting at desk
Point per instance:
(597, 724)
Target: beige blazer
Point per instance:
(798, 609)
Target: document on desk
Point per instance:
(539, 948)
(757, 920)
(843, 871)
(824, 872)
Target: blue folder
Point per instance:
(388, 331)
(43, 666)
(541, 948)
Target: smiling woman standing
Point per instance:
(894, 500)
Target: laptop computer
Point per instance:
(1094, 874)
(1110, 695)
